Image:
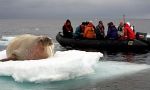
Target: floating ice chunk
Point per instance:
(64, 65)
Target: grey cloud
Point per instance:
(73, 8)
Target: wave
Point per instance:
(63, 66)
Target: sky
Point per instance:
(36, 9)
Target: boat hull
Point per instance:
(101, 44)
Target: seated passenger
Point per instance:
(89, 31)
(67, 29)
(100, 33)
(120, 30)
(131, 26)
(112, 31)
(79, 31)
(129, 34)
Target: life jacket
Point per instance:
(128, 32)
(89, 32)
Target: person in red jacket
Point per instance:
(129, 34)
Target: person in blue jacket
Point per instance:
(79, 31)
(112, 32)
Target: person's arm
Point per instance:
(85, 33)
(125, 33)
(71, 29)
(108, 32)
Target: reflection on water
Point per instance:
(131, 57)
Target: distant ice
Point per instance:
(7, 38)
(4, 40)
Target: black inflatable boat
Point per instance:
(141, 43)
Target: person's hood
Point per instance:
(128, 23)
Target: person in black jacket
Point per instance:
(100, 33)
(67, 29)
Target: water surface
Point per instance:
(107, 72)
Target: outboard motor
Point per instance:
(143, 37)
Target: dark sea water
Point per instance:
(113, 64)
